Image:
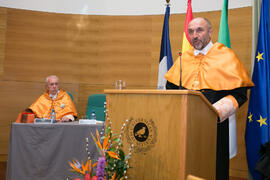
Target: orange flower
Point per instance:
(104, 147)
(79, 167)
(113, 155)
(114, 175)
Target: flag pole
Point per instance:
(165, 58)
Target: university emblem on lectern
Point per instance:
(142, 133)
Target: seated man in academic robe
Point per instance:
(56, 99)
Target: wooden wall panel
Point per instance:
(3, 25)
(86, 57)
(44, 43)
(125, 42)
(89, 53)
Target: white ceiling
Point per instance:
(120, 7)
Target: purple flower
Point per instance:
(100, 168)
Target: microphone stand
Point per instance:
(180, 81)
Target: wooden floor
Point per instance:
(3, 169)
(3, 172)
(236, 178)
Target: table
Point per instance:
(42, 151)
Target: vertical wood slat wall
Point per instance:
(3, 26)
(89, 53)
(3, 127)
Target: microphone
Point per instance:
(180, 82)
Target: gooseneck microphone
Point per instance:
(180, 81)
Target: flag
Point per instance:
(257, 124)
(224, 38)
(165, 59)
(224, 35)
(186, 42)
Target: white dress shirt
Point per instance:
(204, 51)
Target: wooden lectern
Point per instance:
(173, 132)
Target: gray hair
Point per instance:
(51, 76)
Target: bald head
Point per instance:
(52, 84)
(200, 32)
(203, 20)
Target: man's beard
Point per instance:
(198, 44)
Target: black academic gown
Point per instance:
(222, 156)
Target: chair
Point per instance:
(96, 103)
(70, 95)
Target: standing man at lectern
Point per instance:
(56, 100)
(219, 75)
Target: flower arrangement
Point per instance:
(112, 163)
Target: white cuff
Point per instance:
(225, 107)
(69, 116)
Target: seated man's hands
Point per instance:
(67, 118)
(64, 119)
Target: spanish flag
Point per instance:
(186, 43)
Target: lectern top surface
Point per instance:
(160, 92)
(150, 91)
